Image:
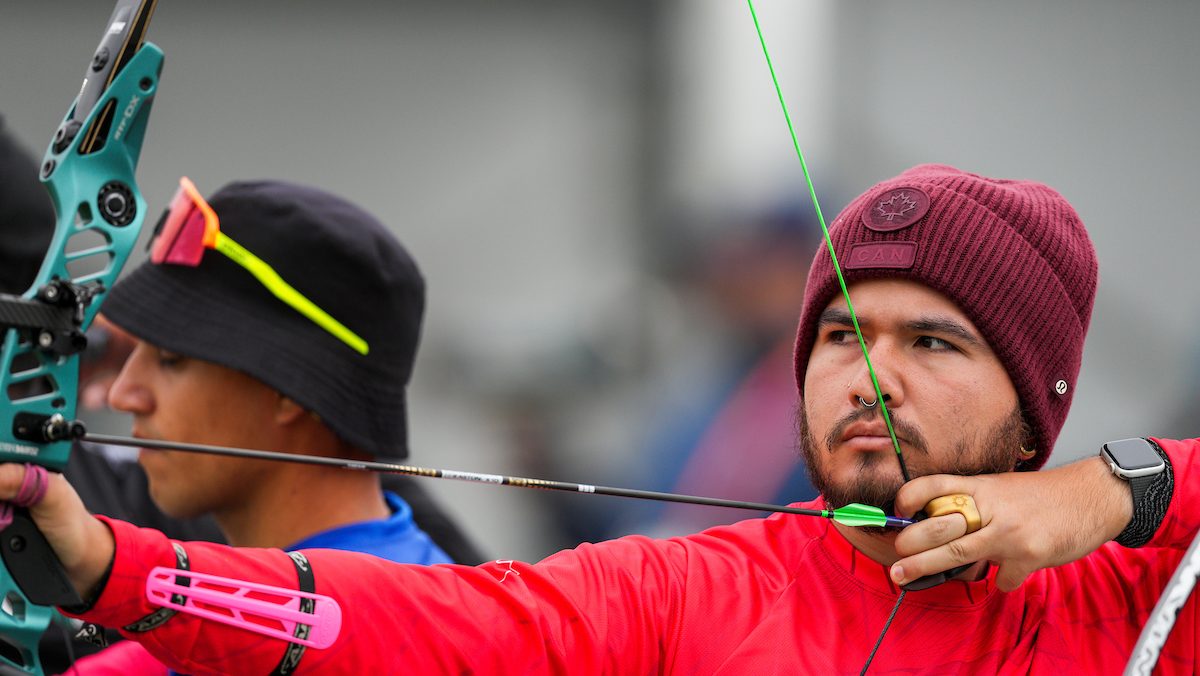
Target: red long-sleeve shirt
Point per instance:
(784, 594)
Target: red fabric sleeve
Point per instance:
(503, 616)
(1182, 521)
(127, 658)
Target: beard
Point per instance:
(992, 451)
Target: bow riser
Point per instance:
(96, 199)
(84, 189)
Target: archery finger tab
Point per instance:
(957, 503)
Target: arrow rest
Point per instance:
(43, 429)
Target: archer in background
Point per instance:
(748, 276)
(218, 357)
(717, 369)
(974, 296)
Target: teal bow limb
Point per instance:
(42, 383)
(92, 194)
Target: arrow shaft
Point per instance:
(476, 477)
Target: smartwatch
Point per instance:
(1135, 461)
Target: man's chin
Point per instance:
(875, 489)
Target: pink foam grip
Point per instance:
(272, 611)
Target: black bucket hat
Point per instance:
(335, 254)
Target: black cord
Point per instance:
(70, 651)
(895, 609)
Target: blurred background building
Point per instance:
(579, 179)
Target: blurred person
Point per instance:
(26, 215)
(718, 381)
(738, 396)
(974, 296)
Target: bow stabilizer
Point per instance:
(89, 171)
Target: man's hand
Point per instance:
(83, 543)
(1031, 520)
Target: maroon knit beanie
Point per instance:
(1013, 255)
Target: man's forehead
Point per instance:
(894, 293)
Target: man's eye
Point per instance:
(167, 358)
(841, 336)
(935, 344)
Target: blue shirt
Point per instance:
(396, 538)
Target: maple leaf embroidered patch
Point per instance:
(895, 209)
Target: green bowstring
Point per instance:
(845, 294)
(812, 192)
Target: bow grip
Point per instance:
(33, 564)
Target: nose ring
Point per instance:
(866, 405)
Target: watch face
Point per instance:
(1132, 455)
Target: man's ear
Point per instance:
(287, 411)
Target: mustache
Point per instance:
(904, 431)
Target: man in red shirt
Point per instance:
(974, 296)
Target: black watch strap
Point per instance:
(1151, 498)
(1139, 486)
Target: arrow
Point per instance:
(853, 514)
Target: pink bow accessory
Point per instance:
(262, 609)
(33, 489)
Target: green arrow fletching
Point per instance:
(855, 514)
